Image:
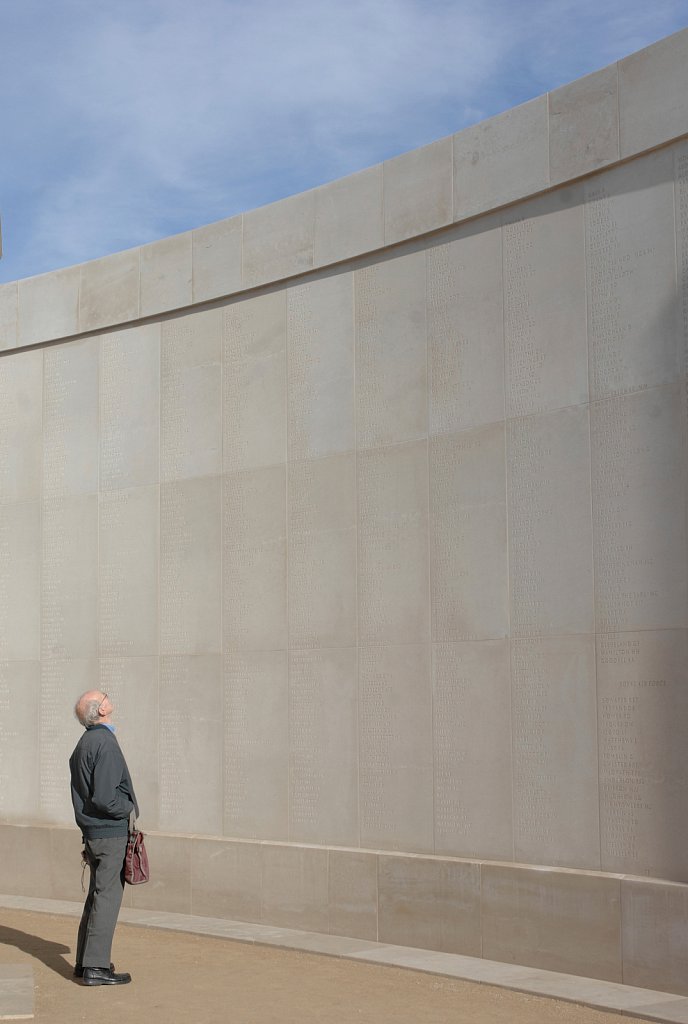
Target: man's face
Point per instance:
(106, 707)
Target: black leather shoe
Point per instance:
(79, 971)
(104, 976)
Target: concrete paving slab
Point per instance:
(16, 992)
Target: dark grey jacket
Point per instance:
(102, 790)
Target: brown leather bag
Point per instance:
(136, 869)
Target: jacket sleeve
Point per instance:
(107, 775)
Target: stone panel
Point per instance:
(128, 597)
(25, 867)
(393, 604)
(69, 585)
(191, 744)
(652, 86)
(643, 717)
(352, 886)
(584, 125)
(655, 935)
(21, 411)
(191, 396)
(48, 306)
(169, 888)
(254, 560)
(348, 216)
(556, 805)
(132, 685)
(166, 274)
(20, 581)
(322, 552)
(216, 254)
(320, 335)
(190, 566)
(70, 419)
(65, 854)
(468, 537)
(20, 683)
(294, 887)
(466, 329)
(556, 920)
(418, 191)
(501, 159)
(278, 239)
(130, 407)
(544, 304)
(8, 315)
(633, 322)
(256, 745)
(323, 746)
(473, 794)
(430, 904)
(254, 382)
(225, 879)
(109, 290)
(62, 683)
(639, 494)
(391, 351)
(395, 730)
(550, 529)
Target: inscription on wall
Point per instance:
(130, 408)
(643, 711)
(535, 813)
(20, 427)
(70, 424)
(631, 276)
(256, 742)
(526, 354)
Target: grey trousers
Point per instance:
(106, 861)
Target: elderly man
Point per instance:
(103, 799)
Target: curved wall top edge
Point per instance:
(597, 121)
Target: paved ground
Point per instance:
(197, 979)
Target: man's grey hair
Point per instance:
(86, 711)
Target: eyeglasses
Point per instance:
(105, 697)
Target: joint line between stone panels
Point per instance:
(41, 578)
(354, 398)
(99, 429)
(507, 429)
(428, 540)
(160, 553)
(592, 522)
(286, 560)
(223, 679)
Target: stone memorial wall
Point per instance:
(368, 509)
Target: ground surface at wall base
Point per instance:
(624, 999)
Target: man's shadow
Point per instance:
(41, 949)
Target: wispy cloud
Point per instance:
(125, 122)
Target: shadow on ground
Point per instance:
(49, 953)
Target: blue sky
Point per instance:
(123, 121)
